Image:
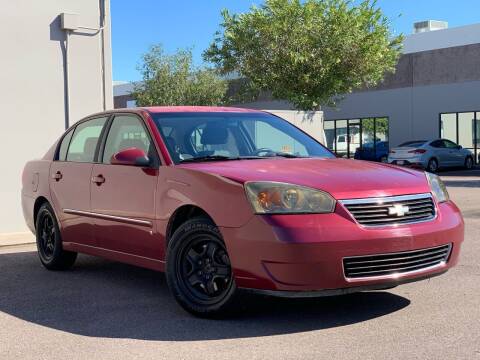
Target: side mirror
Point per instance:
(459, 147)
(130, 157)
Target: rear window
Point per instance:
(413, 143)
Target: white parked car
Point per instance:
(431, 155)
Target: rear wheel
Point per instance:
(469, 163)
(432, 165)
(49, 241)
(198, 269)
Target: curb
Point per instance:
(16, 239)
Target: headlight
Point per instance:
(438, 187)
(281, 198)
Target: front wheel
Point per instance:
(198, 270)
(432, 165)
(49, 241)
(469, 163)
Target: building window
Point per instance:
(345, 137)
(131, 103)
(462, 128)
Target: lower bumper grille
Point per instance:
(395, 263)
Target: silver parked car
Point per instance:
(431, 155)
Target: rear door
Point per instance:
(124, 199)
(455, 154)
(441, 153)
(70, 180)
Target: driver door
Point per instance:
(122, 196)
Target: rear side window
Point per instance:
(437, 144)
(62, 153)
(412, 143)
(127, 131)
(84, 140)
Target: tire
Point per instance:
(469, 163)
(49, 241)
(383, 159)
(432, 165)
(198, 270)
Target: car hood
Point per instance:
(342, 178)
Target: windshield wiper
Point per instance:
(286, 155)
(220, 158)
(208, 158)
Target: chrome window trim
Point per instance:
(108, 217)
(390, 199)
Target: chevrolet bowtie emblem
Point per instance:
(398, 210)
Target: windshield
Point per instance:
(227, 136)
(413, 143)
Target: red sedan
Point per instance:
(223, 199)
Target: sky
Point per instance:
(192, 24)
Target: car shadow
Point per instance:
(100, 298)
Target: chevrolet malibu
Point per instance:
(223, 199)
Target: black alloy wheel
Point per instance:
(204, 269)
(47, 237)
(199, 273)
(49, 241)
(469, 163)
(432, 165)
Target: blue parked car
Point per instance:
(368, 152)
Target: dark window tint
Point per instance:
(450, 144)
(84, 141)
(127, 131)
(437, 144)
(62, 153)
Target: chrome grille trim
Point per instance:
(372, 212)
(392, 265)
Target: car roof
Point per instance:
(195, 109)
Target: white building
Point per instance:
(53, 73)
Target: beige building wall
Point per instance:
(309, 122)
(33, 84)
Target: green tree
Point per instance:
(308, 52)
(174, 80)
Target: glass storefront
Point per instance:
(347, 136)
(462, 128)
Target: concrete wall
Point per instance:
(413, 111)
(33, 85)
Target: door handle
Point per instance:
(57, 176)
(99, 179)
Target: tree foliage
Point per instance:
(308, 52)
(174, 80)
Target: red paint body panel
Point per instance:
(342, 178)
(126, 218)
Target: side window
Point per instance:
(127, 131)
(437, 144)
(84, 140)
(62, 153)
(450, 144)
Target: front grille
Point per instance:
(395, 263)
(391, 210)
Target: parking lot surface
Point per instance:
(107, 310)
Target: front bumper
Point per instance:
(305, 252)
